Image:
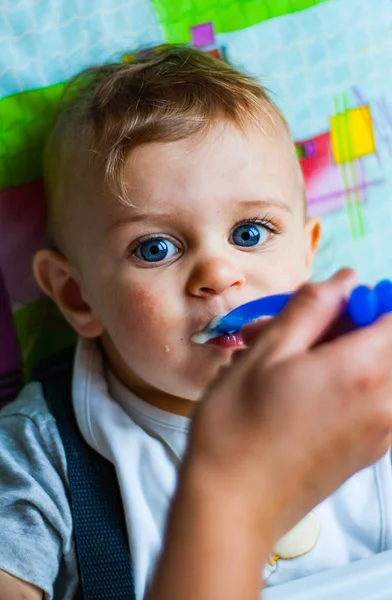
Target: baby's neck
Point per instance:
(171, 404)
(153, 396)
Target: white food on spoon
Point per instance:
(207, 333)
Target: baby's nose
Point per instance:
(213, 276)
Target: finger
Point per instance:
(305, 319)
(253, 330)
(364, 355)
(250, 332)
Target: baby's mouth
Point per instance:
(231, 323)
(208, 336)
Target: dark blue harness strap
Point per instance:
(102, 548)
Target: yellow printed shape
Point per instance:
(146, 54)
(352, 134)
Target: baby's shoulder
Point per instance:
(30, 404)
(28, 432)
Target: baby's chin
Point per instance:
(195, 390)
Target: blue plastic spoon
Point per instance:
(364, 306)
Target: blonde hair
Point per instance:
(163, 95)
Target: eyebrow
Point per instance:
(139, 217)
(244, 204)
(267, 203)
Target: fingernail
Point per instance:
(348, 277)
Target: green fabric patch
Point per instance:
(26, 119)
(178, 16)
(41, 331)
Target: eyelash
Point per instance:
(148, 238)
(268, 222)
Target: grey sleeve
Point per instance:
(35, 516)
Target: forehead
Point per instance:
(207, 174)
(218, 167)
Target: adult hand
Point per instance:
(294, 417)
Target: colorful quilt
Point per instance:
(326, 63)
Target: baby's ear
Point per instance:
(58, 280)
(313, 234)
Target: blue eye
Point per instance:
(156, 250)
(249, 234)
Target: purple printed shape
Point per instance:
(203, 35)
(310, 149)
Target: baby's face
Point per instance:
(216, 221)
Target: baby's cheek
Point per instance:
(148, 314)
